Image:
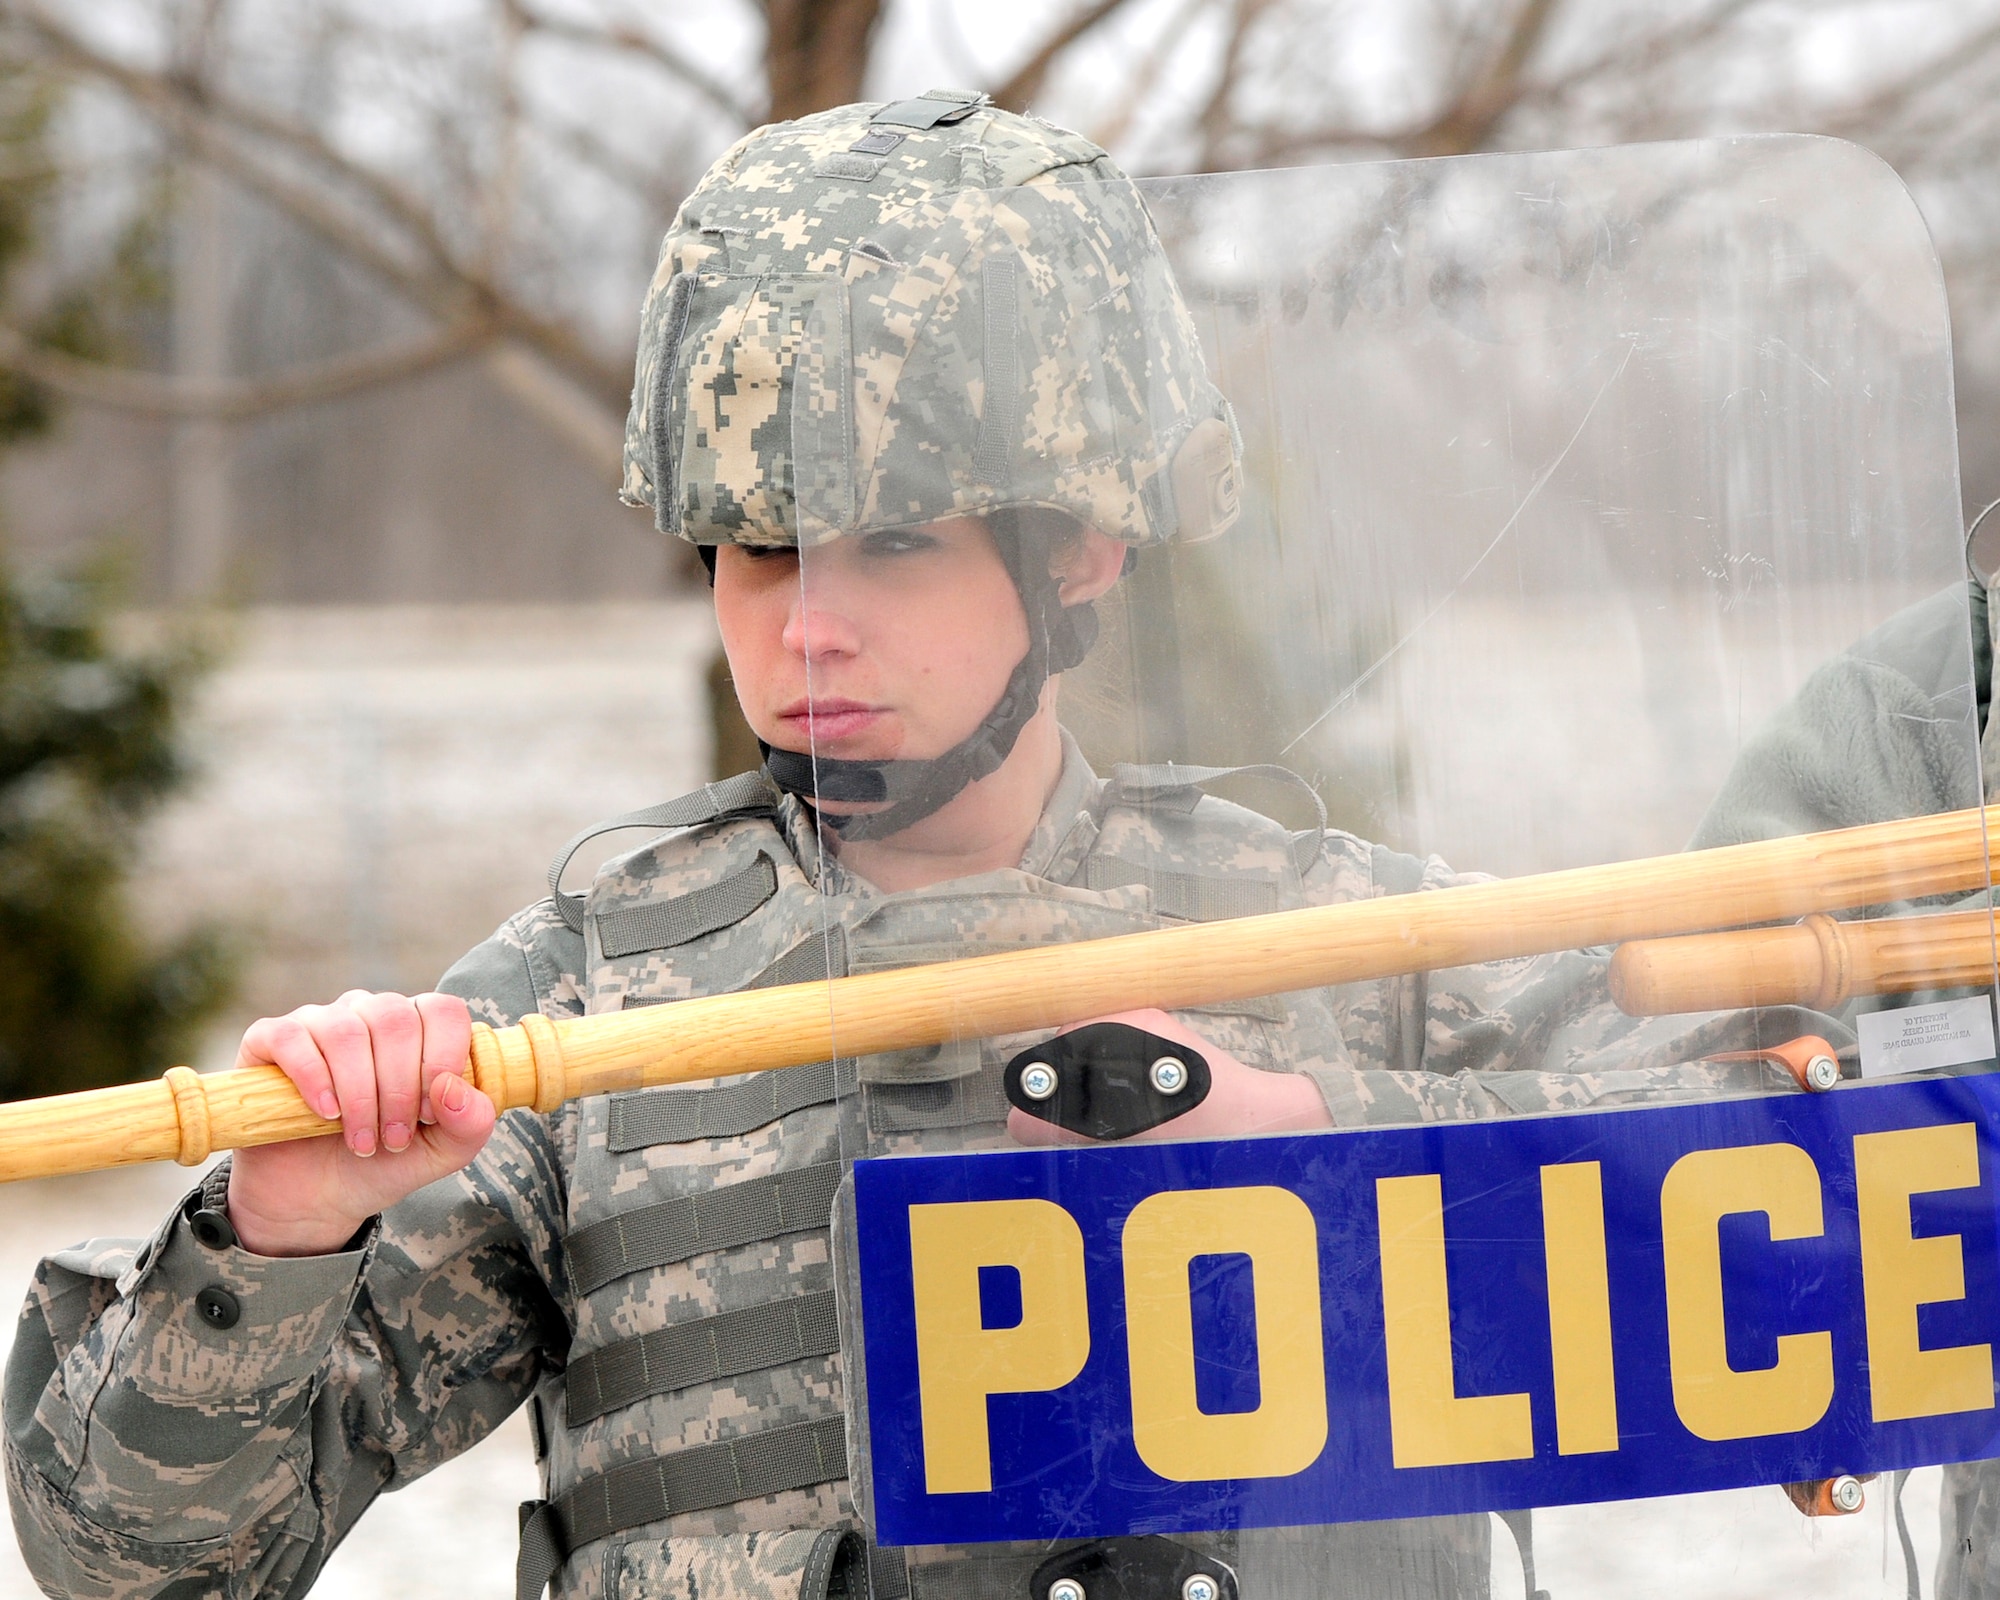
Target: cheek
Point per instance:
(752, 629)
(973, 640)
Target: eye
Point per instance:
(897, 542)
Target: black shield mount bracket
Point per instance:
(1145, 1567)
(1108, 1080)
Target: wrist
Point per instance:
(295, 1240)
(280, 1236)
(1295, 1104)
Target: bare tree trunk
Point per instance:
(816, 53)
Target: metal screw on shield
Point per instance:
(1065, 1588)
(1822, 1073)
(1038, 1082)
(1846, 1494)
(1170, 1076)
(1200, 1587)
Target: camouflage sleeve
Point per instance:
(187, 1418)
(1539, 1033)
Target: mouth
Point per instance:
(829, 718)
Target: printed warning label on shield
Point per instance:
(1405, 1322)
(1952, 1033)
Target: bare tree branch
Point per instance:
(220, 131)
(587, 146)
(1146, 77)
(1634, 52)
(1213, 119)
(176, 100)
(153, 394)
(1467, 124)
(1628, 55)
(1027, 79)
(592, 431)
(627, 39)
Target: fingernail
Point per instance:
(329, 1107)
(450, 1088)
(395, 1135)
(363, 1142)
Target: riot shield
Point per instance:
(1187, 554)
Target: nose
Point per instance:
(817, 626)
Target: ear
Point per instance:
(1087, 566)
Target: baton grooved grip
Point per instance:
(197, 1134)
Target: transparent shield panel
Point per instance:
(1352, 1091)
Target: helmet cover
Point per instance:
(880, 316)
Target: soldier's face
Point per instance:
(886, 646)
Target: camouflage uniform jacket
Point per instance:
(615, 1263)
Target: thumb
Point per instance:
(465, 1118)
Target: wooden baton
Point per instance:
(185, 1116)
(1818, 962)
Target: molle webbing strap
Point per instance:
(955, 1103)
(720, 1219)
(700, 1479)
(824, 955)
(1912, 1572)
(888, 1573)
(1521, 1524)
(676, 1116)
(705, 1477)
(748, 794)
(703, 1351)
(662, 924)
(1184, 894)
(1169, 786)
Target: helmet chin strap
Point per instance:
(1059, 637)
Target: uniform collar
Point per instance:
(1074, 801)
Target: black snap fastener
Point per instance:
(218, 1307)
(212, 1229)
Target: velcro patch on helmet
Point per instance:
(854, 168)
(933, 108)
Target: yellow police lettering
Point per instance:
(1430, 1423)
(1900, 1272)
(1714, 1400)
(1287, 1430)
(1579, 1308)
(959, 1361)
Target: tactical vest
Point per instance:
(704, 1396)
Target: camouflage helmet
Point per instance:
(883, 315)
